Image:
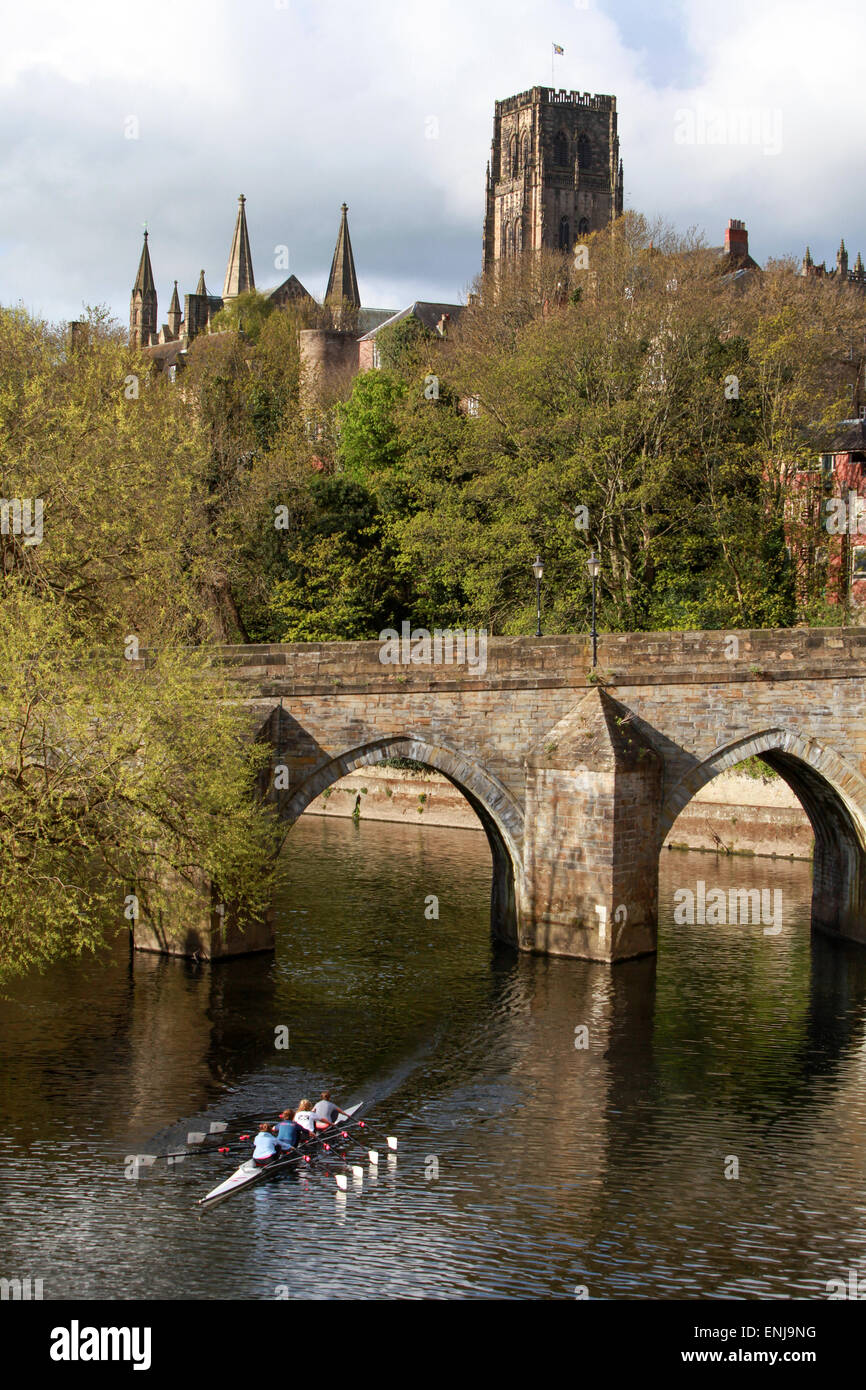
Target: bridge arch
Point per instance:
(833, 796)
(500, 815)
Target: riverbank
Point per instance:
(733, 814)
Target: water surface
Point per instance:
(527, 1167)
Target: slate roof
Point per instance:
(425, 311)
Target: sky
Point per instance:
(114, 114)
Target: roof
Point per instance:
(166, 354)
(851, 438)
(292, 287)
(425, 311)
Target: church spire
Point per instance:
(174, 314)
(343, 282)
(201, 287)
(239, 274)
(142, 304)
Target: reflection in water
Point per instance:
(558, 1165)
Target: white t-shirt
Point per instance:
(306, 1119)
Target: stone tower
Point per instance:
(343, 282)
(555, 173)
(142, 305)
(239, 272)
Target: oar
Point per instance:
(372, 1155)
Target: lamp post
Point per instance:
(538, 571)
(593, 564)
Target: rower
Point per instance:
(305, 1118)
(326, 1110)
(265, 1149)
(289, 1134)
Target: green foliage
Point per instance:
(404, 345)
(246, 314)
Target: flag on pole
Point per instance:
(557, 49)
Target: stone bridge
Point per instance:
(577, 781)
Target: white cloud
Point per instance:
(305, 105)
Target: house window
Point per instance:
(377, 361)
(472, 404)
(858, 563)
(827, 465)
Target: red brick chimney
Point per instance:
(736, 239)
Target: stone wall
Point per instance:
(733, 814)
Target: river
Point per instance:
(709, 1140)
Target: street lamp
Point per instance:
(538, 571)
(593, 564)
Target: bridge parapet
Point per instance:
(624, 659)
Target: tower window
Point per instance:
(584, 152)
(525, 152)
(583, 227)
(560, 149)
(515, 161)
(518, 237)
(509, 239)
(564, 233)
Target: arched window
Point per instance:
(525, 153)
(509, 239)
(583, 227)
(515, 169)
(518, 237)
(560, 150)
(584, 152)
(564, 233)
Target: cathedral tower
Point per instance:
(239, 272)
(142, 305)
(555, 174)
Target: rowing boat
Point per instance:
(250, 1172)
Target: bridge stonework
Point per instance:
(577, 777)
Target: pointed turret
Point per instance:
(201, 287)
(142, 304)
(174, 314)
(842, 261)
(807, 259)
(343, 282)
(858, 268)
(239, 274)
